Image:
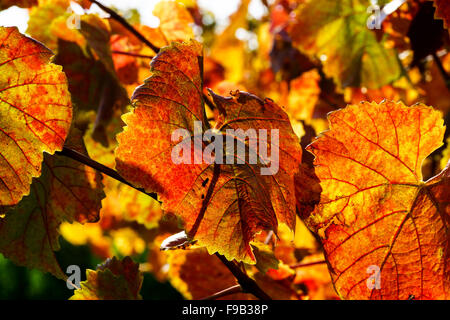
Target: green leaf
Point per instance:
(336, 32)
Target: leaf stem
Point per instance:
(231, 290)
(442, 70)
(306, 264)
(137, 55)
(247, 284)
(75, 155)
(128, 26)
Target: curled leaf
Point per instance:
(223, 206)
(113, 280)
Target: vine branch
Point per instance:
(247, 284)
(137, 55)
(125, 23)
(75, 155)
(231, 290)
(307, 264)
(442, 70)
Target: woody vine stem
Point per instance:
(246, 284)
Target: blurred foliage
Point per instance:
(22, 283)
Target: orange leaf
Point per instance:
(384, 230)
(35, 112)
(113, 280)
(223, 206)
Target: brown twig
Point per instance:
(100, 167)
(442, 70)
(231, 290)
(248, 285)
(208, 102)
(125, 23)
(137, 55)
(306, 264)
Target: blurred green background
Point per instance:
(22, 283)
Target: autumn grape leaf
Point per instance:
(35, 112)
(87, 76)
(375, 211)
(53, 19)
(66, 191)
(336, 32)
(113, 280)
(222, 206)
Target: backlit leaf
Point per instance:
(336, 32)
(375, 212)
(113, 280)
(222, 206)
(66, 191)
(35, 112)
